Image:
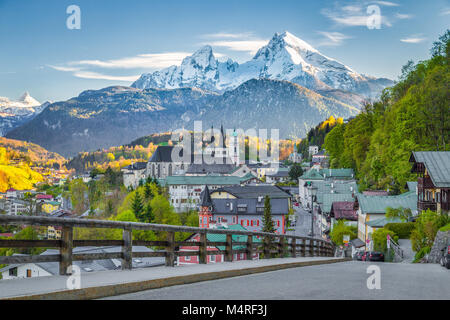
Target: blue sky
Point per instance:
(119, 40)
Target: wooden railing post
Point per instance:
(66, 250)
(127, 248)
(203, 249)
(170, 249)
(229, 248)
(293, 247)
(311, 247)
(281, 246)
(303, 247)
(249, 247)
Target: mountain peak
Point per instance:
(203, 58)
(288, 39)
(28, 100)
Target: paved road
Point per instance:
(333, 281)
(303, 225)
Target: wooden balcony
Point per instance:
(424, 205)
(425, 183)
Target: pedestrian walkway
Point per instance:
(408, 253)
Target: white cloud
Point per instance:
(65, 69)
(148, 61)
(445, 12)
(332, 38)
(413, 39)
(250, 46)
(403, 16)
(386, 3)
(221, 35)
(100, 76)
(241, 42)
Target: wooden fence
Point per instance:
(270, 246)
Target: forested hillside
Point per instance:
(18, 176)
(413, 115)
(316, 136)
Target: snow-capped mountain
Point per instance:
(14, 113)
(285, 57)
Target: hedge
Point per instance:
(403, 230)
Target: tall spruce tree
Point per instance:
(137, 204)
(268, 225)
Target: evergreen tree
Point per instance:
(268, 225)
(295, 172)
(148, 191)
(137, 205)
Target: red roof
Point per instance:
(6, 235)
(44, 196)
(344, 210)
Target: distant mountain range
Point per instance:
(288, 85)
(285, 57)
(14, 113)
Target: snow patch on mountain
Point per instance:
(14, 113)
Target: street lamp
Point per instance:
(313, 192)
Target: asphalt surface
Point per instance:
(347, 280)
(303, 225)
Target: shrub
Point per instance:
(403, 230)
(445, 228)
(339, 230)
(379, 237)
(421, 253)
(426, 227)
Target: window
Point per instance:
(212, 258)
(187, 258)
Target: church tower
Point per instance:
(206, 208)
(233, 148)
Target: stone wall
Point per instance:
(441, 241)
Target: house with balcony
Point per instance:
(244, 205)
(371, 208)
(433, 179)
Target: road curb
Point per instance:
(132, 287)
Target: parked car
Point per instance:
(358, 255)
(375, 256)
(445, 259)
(364, 256)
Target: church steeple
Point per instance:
(206, 207)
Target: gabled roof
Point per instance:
(137, 166)
(312, 174)
(344, 210)
(204, 168)
(330, 198)
(411, 185)
(215, 237)
(164, 154)
(379, 204)
(337, 173)
(255, 191)
(380, 223)
(206, 198)
(97, 265)
(437, 164)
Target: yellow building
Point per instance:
(50, 206)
